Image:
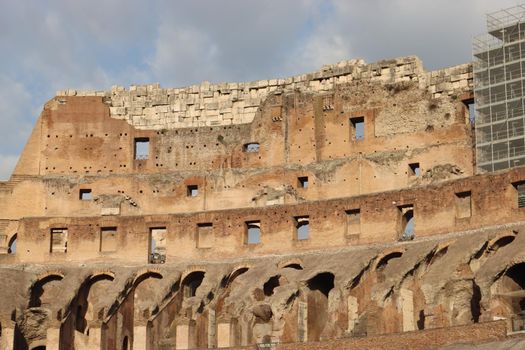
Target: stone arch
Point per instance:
(127, 317)
(228, 280)
(317, 292)
(383, 259)
(498, 242)
(295, 264)
(83, 317)
(509, 291)
(144, 274)
(37, 288)
(191, 282)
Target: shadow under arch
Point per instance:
(511, 289)
(191, 282)
(76, 319)
(37, 288)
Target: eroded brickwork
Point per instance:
(333, 209)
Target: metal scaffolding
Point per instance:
(499, 67)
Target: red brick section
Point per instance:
(417, 340)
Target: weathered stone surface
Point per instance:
(272, 212)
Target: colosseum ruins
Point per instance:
(370, 206)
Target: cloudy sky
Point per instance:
(50, 45)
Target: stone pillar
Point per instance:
(53, 338)
(406, 304)
(7, 339)
(352, 308)
(212, 329)
(223, 335)
(139, 338)
(181, 339)
(95, 337)
(302, 322)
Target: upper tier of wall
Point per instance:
(153, 107)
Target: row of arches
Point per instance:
(292, 304)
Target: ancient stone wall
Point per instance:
(153, 107)
(329, 209)
(455, 206)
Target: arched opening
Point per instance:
(191, 283)
(271, 284)
(294, 266)
(37, 289)
(509, 296)
(319, 288)
(323, 282)
(41, 347)
(146, 275)
(515, 283)
(125, 343)
(144, 288)
(228, 280)
(386, 259)
(11, 247)
(84, 310)
(500, 243)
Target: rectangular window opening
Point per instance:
(303, 181)
(357, 128)
(59, 240)
(157, 245)
(463, 205)
(192, 190)
(328, 103)
(520, 193)
(252, 147)
(302, 227)
(414, 169)
(407, 222)
(141, 148)
(108, 239)
(205, 237)
(353, 222)
(253, 232)
(85, 194)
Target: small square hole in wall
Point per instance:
(253, 232)
(414, 169)
(85, 194)
(252, 147)
(192, 190)
(303, 181)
